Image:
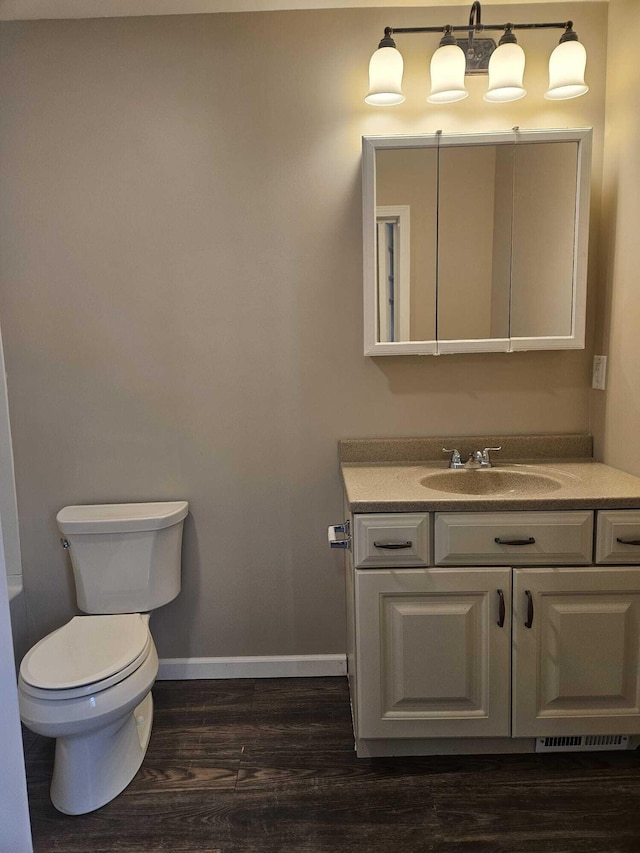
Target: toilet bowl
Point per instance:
(88, 684)
(96, 700)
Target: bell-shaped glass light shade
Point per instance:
(506, 70)
(448, 65)
(385, 77)
(566, 72)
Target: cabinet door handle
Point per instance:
(529, 622)
(529, 541)
(392, 545)
(624, 541)
(501, 609)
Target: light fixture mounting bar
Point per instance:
(478, 28)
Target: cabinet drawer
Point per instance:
(618, 536)
(513, 538)
(391, 539)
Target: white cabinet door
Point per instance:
(433, 651)
(576, 670)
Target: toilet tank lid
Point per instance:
(121, 518)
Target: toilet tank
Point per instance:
(126, 558)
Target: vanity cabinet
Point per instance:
(497, 646)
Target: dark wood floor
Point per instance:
(267, 766)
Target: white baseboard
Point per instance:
(279, 666)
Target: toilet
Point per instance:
(88, 684)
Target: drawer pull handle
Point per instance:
(529, 541)
(529, 622)
(390, 545)
(502, 611)
(623, 541)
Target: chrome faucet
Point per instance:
(481, 458)
(477, 459)
(456, 459)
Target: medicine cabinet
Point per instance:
(475, 242)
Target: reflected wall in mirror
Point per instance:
(405, 177)
(474, 245)
(544, 214)
(475, 242)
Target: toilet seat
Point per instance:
(87, 655)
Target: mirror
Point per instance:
(474, 257)
(475, 242)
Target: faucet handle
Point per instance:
(485, 455)
(456, 460)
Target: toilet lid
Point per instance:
(85, 650)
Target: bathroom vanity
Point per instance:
(491, 609)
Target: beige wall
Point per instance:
(180, 255)
(616, 411)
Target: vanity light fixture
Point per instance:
(456, 58)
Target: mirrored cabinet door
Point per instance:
(475, 242)
(406, 233)
(544, 206)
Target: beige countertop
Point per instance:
(375, 485)
(397, 487)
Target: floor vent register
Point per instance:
(576, 743)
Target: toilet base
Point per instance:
(93, 768)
